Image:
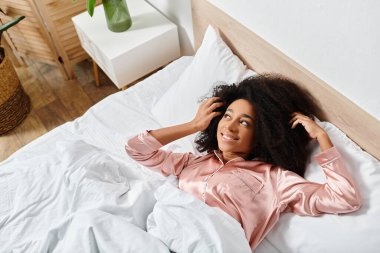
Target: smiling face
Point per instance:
(236, 130)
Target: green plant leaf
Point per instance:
(91, 6)
(10, 23)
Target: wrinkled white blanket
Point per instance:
(186, 224)
(77, 198)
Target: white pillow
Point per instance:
(354, 232)
(213, 62)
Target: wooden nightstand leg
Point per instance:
(96, 73)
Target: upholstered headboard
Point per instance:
(262, 57)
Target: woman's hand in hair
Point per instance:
(313, 129)
(206, 113)
(201, 121)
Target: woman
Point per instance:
(255, 135)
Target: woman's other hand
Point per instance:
(313, 129)
(206, 113)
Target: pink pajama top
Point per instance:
(253, 192)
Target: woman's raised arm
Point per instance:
(145, 147)
(200, 122)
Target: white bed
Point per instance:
(75, 189)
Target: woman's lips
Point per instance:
(229, 138)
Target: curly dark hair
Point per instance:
(274, 98)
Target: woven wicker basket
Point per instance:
(14, 103)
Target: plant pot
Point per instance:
(14, 103)
(117, 15)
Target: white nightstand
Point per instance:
(150, 43)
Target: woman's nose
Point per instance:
(231, 126)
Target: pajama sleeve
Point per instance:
(145, 149)
(338, 195)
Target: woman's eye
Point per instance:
(244, 123)
(226, 116)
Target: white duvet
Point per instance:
(76, 198)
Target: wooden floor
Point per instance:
(54, 100)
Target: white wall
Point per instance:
(179, 12)
(338, 41)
